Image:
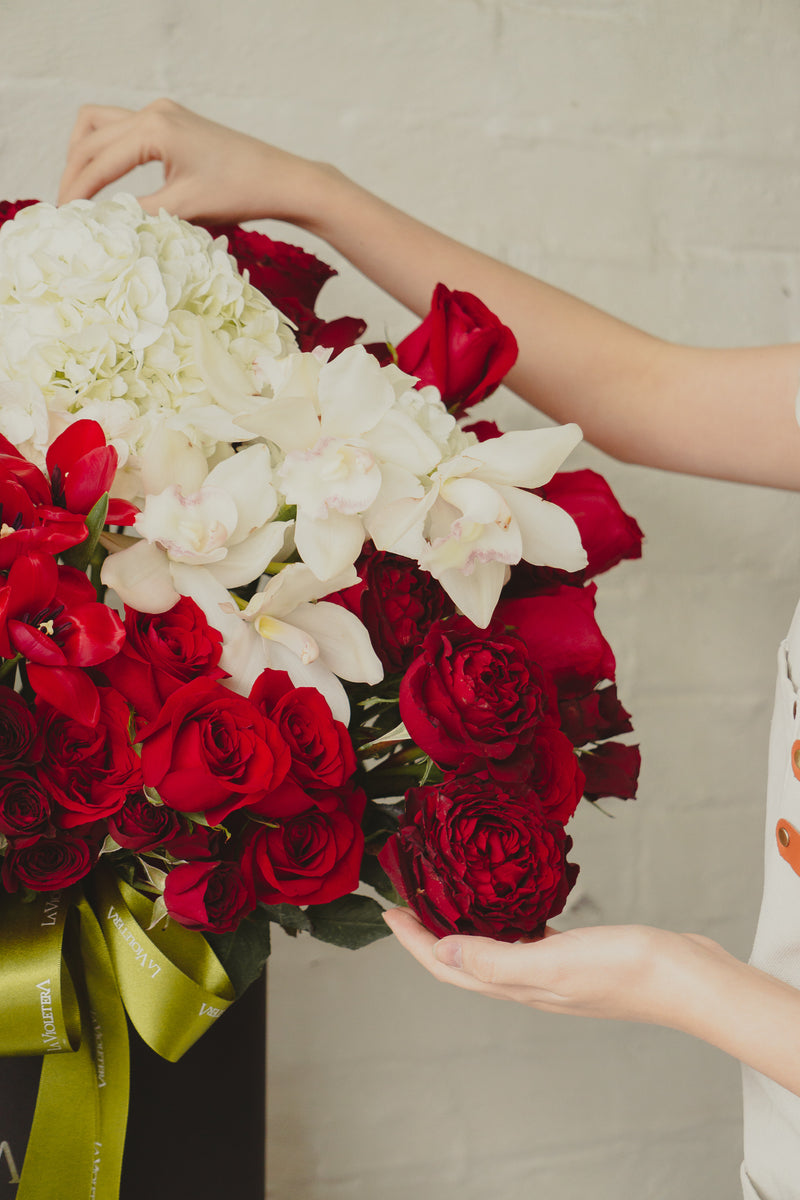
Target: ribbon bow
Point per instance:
(68, 972)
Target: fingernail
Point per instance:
(449, 953)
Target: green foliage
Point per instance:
(289, 917)
(373, 873)
(80, 556)
(243, 952)
(352, 922)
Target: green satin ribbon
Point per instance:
(67, 968)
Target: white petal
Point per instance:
(169, 459)
(296, 584)
(246, 478)
(475, 594)
(343, 641)
(353, 393)
(524, 458)
(329, 546)
(141, 578)
(399, 439)
(315, 675)
(549, 535)
(247, 561)
(290, 422)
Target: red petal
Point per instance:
(96, 634)
(69, 690)
(76, 441)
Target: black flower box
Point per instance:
(196, 1128)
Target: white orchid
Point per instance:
(223, 528)
(287, 627)
(474, 521)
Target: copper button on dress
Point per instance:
(788, 840)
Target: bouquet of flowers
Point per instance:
(279, 631)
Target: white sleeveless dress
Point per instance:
(771, 1167)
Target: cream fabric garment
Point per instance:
(771, 1167)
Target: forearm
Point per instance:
(637, 397)
(741, 1010)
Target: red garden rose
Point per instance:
(161, 652)
(141, 825)
(310, 852)
(10, 208)
(321, 749)
(461, 347)
(208, 896)
(45, 864)
(399, 604)
(472, 856)
(211, 751)
(18, 730)
(608, 534)
(561, 634)
(472, 692)
(611, 769)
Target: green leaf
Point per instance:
(373, 873)
(243, 952)
(289, 917)
(80, 556)
(352, 922)
(382, 819)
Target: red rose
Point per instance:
(608, 534)
(162, 651)
(556, 777)
(197, 843)
(310, 852)
(461, 347)
(140, 825)
(211, 751)
(24, 803)
(472, 692)
(562, 635)
(94, 767)
(209, 896)
(611, 769)
(321, 749)
(18, 730)
(593, 717)
(472, 856)
(45, 864)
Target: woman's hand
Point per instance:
(626, 972)
(211, 173)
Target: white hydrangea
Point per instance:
(142, 323)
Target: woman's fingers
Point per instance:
(104, 155)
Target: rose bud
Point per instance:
(211, 897)
(461, 348)
(322, 753)
(608, 534)
(24, 803)
(141, 825)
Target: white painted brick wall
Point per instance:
(644, 155)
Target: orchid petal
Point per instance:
(550, 537)
(316, 675)
(296, 584)
(246, 479)
(331, 545)
(353, 393)
(141, 578)
(475, 594)
(343, 641)
(248, 560)
(524, 458)
(291, 422)
(170, 460)
(399, 439)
